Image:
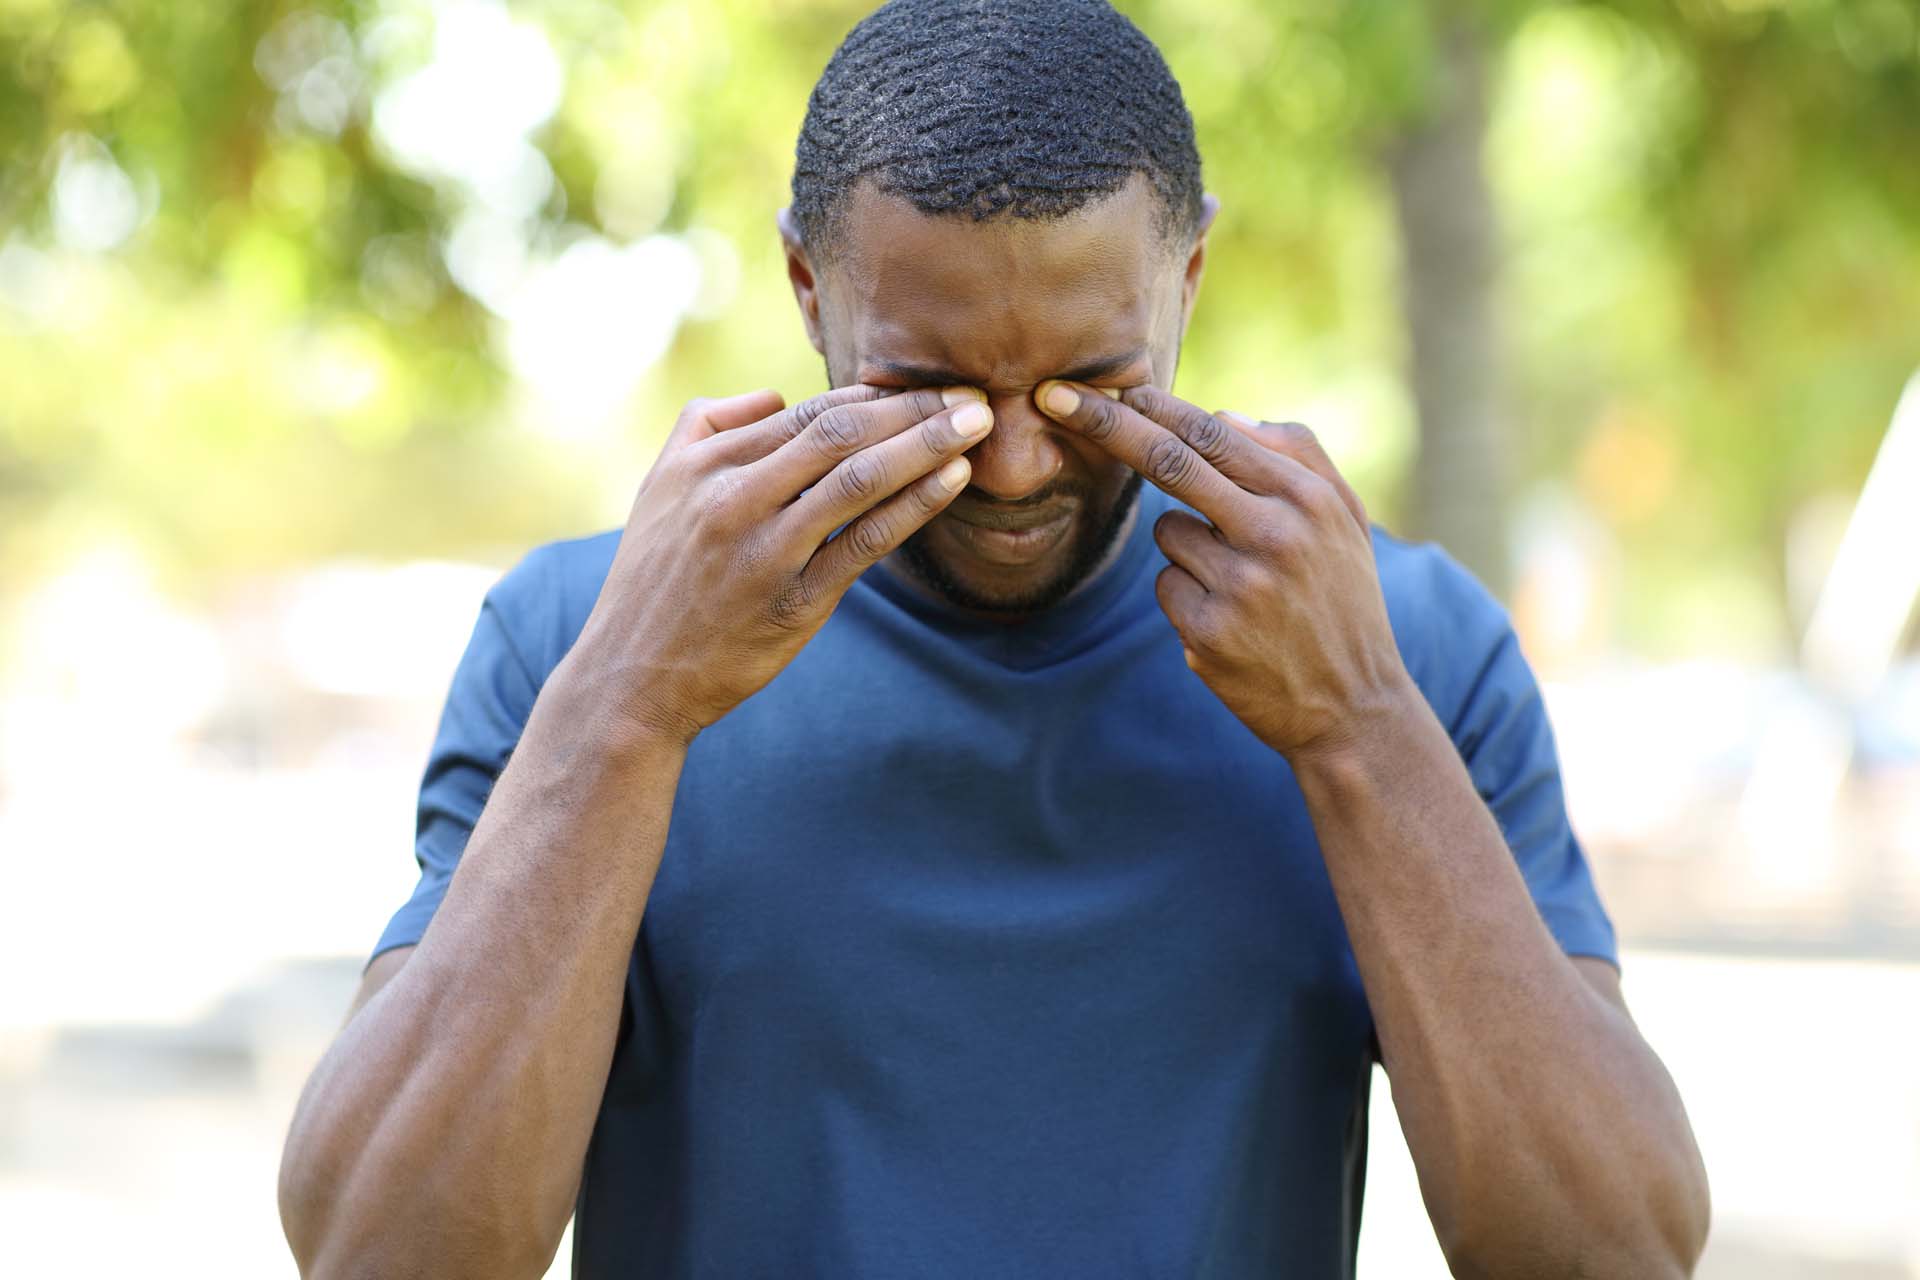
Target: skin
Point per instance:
(903, 301)
(1548, 1139)
(443, 1132)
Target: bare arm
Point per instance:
(444, 1131)
(379, 973)
(1548, 1138)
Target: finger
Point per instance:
(704, 418)
(740, 410)
(863, 481)
(753, 441)
(1232, 454)
(1166, 460)
(1181, 597)
(866, 540)
(1297, 441)
(842, 430)
(1195, 546)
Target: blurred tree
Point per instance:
(1746, 249)
(1448, 254)
(282, 280)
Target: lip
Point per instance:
(1013, 546)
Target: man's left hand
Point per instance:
(1275, 594)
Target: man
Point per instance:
(913, 847)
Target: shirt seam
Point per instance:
(489, 607)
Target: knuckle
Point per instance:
(1272, 540)
(1169, 462)
(1150, 401)
(801, 416)
(1204, 630)
(1320, 497)
(859, 479)
(1253, 579)
(938, 438)
(1233, 580)
(789, 604)
(673, 466)
(717, 499)
(867, 539)
(923, 403)
(929, 496)
(1207, 434)
(1163, 583)
(747, 558)
(836, 431)
(1100, 418)
(1169, 602)
(1297, 435)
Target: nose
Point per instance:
(1021, 454)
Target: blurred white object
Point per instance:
(1787, 812)
(1789, 807)
(1862, 611)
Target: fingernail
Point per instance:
(954, 474)
(1059, 399)
(972, 419)
(951, 396)
(1239, 419)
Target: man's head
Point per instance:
(994, 193)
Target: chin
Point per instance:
(966, 570)
(971, 583)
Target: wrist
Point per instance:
(1372, 741)
(621, 721)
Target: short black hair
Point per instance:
(1023, 108)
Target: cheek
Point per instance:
(1105, 473)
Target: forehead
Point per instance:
(1006, 302)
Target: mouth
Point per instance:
(1010, 537)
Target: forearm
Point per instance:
(1548, 1138)
(444, 1131)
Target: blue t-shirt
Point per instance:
(987, 950)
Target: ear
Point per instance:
(806, 287)
(1197, 259)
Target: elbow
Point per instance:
(1683, 1213)
(342, 1227)
(302, 1200)
(1655, 1233)
(328, 1240)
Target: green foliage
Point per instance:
(1712, 214)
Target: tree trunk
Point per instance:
(1449, 246)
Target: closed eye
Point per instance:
(1119, 370)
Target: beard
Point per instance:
(1092, 538)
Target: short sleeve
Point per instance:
(1485, 692)
(487, 707)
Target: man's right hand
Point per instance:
(729, 562)
(445, 1129)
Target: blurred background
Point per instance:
(314, 317)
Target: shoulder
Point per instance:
(1450, 628)
(542, 602)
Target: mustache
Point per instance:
(1044, 507)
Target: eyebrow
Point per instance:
(939, 375)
